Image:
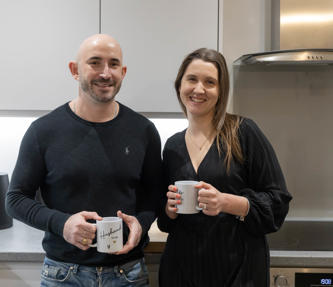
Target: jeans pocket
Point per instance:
(137, 274)
(56, 272)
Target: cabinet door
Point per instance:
(155, 36)
(20, 274)
(38, 39)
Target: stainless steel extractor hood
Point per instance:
(302, 33)
(296, 56)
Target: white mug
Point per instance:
(109, 237)
(189, 197)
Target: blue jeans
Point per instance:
(131, 274)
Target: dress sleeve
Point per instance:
(165, 223)
(152, 181)
(267, 192)
(27, 178)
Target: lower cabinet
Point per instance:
(153, 274)
(20, 274)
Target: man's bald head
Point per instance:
(98, 40)
(99, 67)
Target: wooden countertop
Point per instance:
(157, 239)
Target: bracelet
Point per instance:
(242, 217)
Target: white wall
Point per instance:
(12, 130)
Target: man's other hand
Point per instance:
(135, 233)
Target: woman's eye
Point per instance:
(210, 82)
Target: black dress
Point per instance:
(221, 250)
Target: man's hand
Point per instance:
(78, 231)
(135, 234)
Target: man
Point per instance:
(91, 158)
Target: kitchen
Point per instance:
(280, 99)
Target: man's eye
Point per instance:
(114, 64)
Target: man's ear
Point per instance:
(73, 67)
(124, 70)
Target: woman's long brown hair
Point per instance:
(226, 125)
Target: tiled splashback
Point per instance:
(293, 106)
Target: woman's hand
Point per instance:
(209, 198)
(213, 201)
(173, 199)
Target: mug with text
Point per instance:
(189, 196)
(109, 237)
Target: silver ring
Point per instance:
(204, 206)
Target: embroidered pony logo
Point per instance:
(127, 151)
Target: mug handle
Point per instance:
(197, 206)
(95, 244)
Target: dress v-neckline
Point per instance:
(189, 156)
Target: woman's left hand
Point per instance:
(209, 198)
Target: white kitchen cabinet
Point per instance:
(155, 36)
(38, 39)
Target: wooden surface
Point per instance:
(157, 240)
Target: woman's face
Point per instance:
(199, 89)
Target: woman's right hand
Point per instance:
(173, 199)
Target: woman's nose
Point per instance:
(199, 88)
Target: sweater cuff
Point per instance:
(57, 222)
(145, 219)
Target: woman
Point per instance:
(242, 189)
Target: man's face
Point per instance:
(100, 70)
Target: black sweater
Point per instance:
(80, 165)
(221, 250)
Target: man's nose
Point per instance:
(106, 72)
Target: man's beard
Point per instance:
(88, 89)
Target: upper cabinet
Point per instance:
(155, 36)
(38, 39)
